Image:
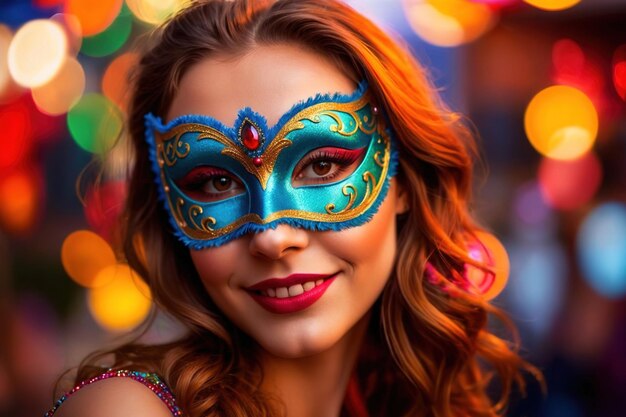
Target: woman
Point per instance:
(300, 201)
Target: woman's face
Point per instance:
(354, 263)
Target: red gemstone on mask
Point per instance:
(257, 161)
(250, 136)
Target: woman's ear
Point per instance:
(402, 199)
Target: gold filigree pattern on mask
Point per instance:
(195, 211)
(173, 149)
(349, 191)
(314, 112)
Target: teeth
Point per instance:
(295, 290)
(284, 292)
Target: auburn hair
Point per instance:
(428, 352)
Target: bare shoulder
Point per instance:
(113, 397)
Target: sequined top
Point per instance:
(150, 380)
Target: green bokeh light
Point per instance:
(94, 123)
(111, 39)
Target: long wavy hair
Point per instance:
(428, 352)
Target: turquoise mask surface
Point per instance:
(219, 183)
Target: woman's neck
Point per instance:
(315, 385)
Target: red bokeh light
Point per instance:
(567, 185)
(16, 139)
(619, 71)
(103, 206)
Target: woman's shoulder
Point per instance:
(118, 393)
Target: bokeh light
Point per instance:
(63, 91)
(561, 122)
(155, 11)
(16, 137)
(83, 255)
(619, 71)
(111, 39)
(553, 5)
(115, 80)
(568, 59)
(20, 199)
(37, 52)
(73, 31)
(103, 206)
(496, 3)
(566, 185)
(94, 16)
(448, 22)
(601, 248)
(488, 250)
(121, 304)
(530, 206)
(539, 278)
(94, 123)
(5, 40)
(48, 3)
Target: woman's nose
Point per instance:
(278, 242)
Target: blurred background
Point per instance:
(542, 81)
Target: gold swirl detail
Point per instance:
(179, 215)
(194, 211)
(174, 149)
(349, 191)
(380, 162)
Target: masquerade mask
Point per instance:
(325, 165)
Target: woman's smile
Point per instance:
(290, 294)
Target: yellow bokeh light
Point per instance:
(121, 304)
(63, 91)
(84, 254)
(448, 22)
(552, 5)
(37, 52)
(155, 12)
(5, 41)
(561, 122)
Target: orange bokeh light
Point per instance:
(115, 80)
(20, 199)
(94, 16)
(448, 22)
(83, 255)
(561, 122)
(552, 5)
(5, 40)
(63, 91)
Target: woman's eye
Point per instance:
(326, 165)
(209, 184)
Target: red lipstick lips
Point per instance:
(290, 304)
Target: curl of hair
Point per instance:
(436, 352)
